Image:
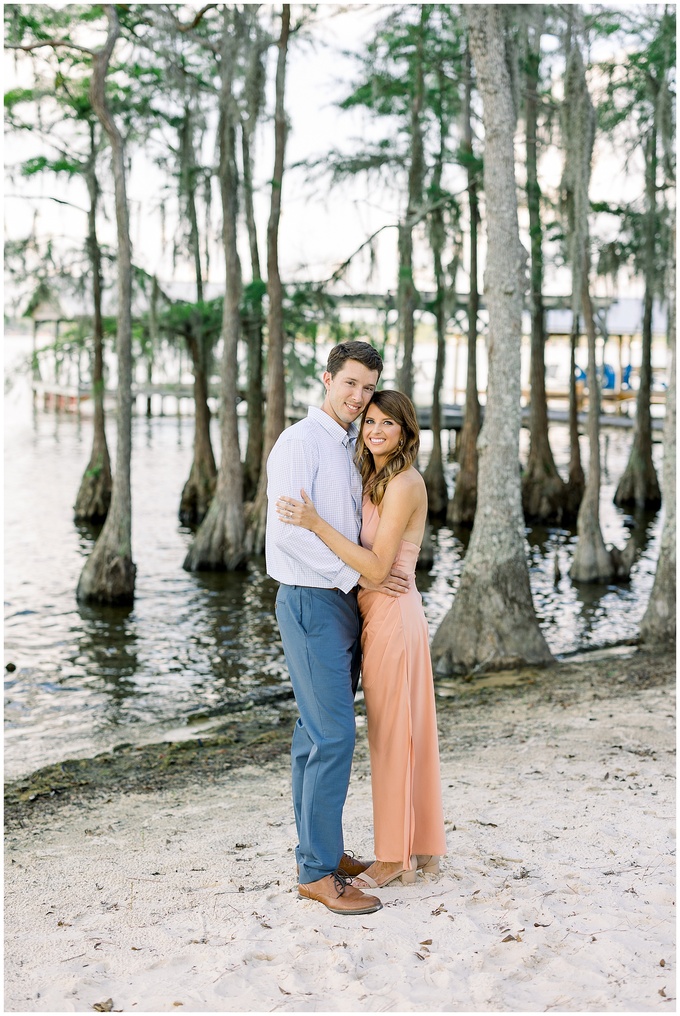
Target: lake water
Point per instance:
(196, 646)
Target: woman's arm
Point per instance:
(402, 497)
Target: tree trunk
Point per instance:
(254, 320)
(658, 623)
(219, 542)
(435, 481)
(199, 489)
(406, 292)
(188, 189)
(406, 305)
(434, 478)
(109, 573)
(639, 485)
(592, 561)
(463, 504)
(543, 490)
(94, 495)
(276, 383)
(492, 622)
(255, 412)
(155, 342)
(578, 138)
(576, 483)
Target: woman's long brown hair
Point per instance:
(397, 407)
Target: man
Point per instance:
(316, 608)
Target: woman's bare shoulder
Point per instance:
(409, 483)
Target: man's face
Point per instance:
(349, 392)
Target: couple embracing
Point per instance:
(347, 513)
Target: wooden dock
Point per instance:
(452, 417)
(72, 399)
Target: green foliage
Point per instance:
(253, 294)
(469, 160)
(310, 314)
(33, 22)
(378, 158)
(628, 248)
(40, 163)
(43, 293)
(633, 86)
(637, 109)
(182, 319)
(15, 96)
(305, 309)
(388, 69)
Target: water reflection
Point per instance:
(192, 645)
(571, 616)
(241, 629)
(641, 527)
(106, 652)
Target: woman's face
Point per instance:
(381, 434)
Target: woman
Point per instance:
(396, 667)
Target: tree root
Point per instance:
(219, 542)
(197, 495)
(492, 624)
(94, 496)
(108, 576)
(639, 485)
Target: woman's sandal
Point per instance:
(428, 863)
(406, 876)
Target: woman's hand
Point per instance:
(298, 513)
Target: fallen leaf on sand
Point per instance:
(106, 1006)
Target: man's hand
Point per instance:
(394, 585)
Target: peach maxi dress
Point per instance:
(402, 723)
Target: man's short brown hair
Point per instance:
(364, 352)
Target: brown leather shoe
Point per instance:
(349, 865)
(352, 865)
(336, 893)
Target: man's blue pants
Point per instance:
(320, 631)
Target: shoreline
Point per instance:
(557, 892)
(263, 731)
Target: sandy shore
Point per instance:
(557, 893)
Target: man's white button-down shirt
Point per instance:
(315, 455)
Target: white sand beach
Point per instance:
(557, 893)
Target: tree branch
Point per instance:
(196, 21)
(418, 217)
(345, 264)
(28, 47)
(47, 197)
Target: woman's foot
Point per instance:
(428, 863)
(381, 873)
